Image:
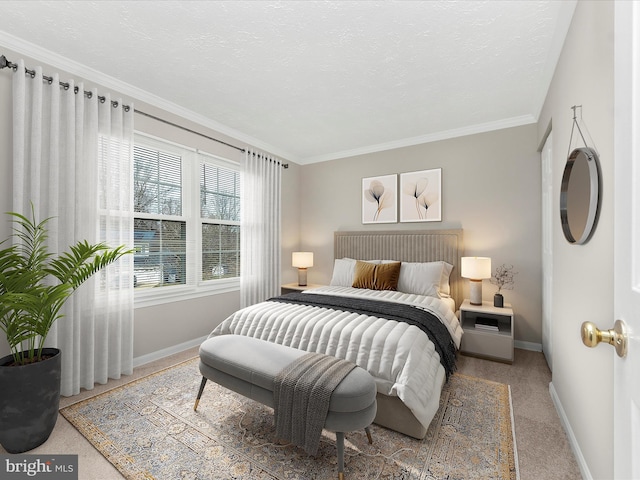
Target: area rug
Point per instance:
(148, 430)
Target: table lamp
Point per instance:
(475, 269)
(302, 260)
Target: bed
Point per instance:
(409, 358)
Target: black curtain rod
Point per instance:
(4, 63)
(284, 165)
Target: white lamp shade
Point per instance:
(476, 268)
(302, 259)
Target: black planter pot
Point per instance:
(29, 401)
(498, 300)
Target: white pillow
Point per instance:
(430, 278)
(344, 270)
(445, 287)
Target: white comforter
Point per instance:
(400, 357)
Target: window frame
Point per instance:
(222, 163)
(194, 286)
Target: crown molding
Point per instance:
(428, 138)
(48, 57)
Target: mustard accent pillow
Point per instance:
(376, 276)
(387, 275)
(364, 275)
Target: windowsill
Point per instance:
(161, 295)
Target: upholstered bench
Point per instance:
(249, 366)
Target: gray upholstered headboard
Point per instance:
(406, 246)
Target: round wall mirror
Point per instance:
(580, 195)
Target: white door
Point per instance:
(548, 216)
(626, 396)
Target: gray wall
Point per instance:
(491, 188)
(583, 274)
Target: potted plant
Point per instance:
(34, 286)
(503, 278)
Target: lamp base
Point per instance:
(475, 292)
(302, 277)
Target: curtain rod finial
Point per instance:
(3, 62)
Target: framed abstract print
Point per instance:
(379, 204)
(421, 196)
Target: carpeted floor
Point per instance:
(544, 451)
(148, 429)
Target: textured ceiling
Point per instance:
(310, 80)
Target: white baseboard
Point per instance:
(534, 347)
(582, 464)
(165, 352)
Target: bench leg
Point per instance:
(340, 447)
(202, 384)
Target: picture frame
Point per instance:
(379, 199)
(420, 196)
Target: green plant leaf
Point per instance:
(34, 285)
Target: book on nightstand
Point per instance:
(489, 324)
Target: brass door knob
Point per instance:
(617, 336)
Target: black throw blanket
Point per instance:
(425, 321)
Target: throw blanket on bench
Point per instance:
(422, 319)
(301, 396)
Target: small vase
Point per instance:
(498, 300)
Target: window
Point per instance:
(220, 214)
(160, 242)
(187, 222)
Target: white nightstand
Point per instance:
(488, 331)
(294, 287)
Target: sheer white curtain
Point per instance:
(260, 228)
(73, 161)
